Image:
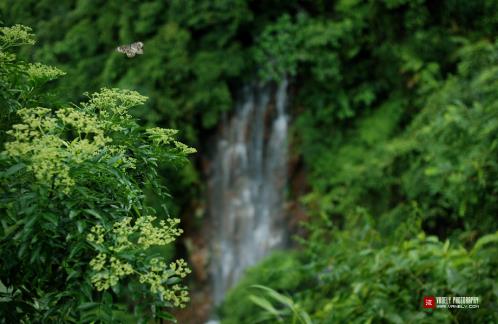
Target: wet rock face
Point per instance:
(246, 183)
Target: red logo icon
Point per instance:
(429, 302)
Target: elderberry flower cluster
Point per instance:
(40, 140)
(143, 230)
(114, 102)
(180, 268)
(16, 35)
(40, 72)
(159, 274)
(151, 235)
(136, 237)
(54, 142)
(97, 234)
(108, 271)
(163, 136)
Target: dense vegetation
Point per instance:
(78, 243)
(395, 119)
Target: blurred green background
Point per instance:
(394, 122)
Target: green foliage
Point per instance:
(279, 271)
(368, 281)
(194, 52)
(291, 309)
(361, 278)
(189, 54)
(277, 50)
(78, 243)
(396, 120)
(421, 170)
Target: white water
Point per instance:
(247, 183)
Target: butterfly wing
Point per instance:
(137, 47)
(120, 49)
(132, 49)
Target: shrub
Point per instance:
(78, 243)
(281, 271)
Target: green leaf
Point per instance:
(173, 280)
(166, 316)
(13, 169)
(265, 304)
(94, 213)
(81, 225)
(275, 295)
(304, 317)
(87, 306)
(486, 239)
(52, 218)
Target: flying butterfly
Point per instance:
(132, 49)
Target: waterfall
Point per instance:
(246, 184)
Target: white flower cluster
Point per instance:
(125, 237)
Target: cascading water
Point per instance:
(247, 183)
